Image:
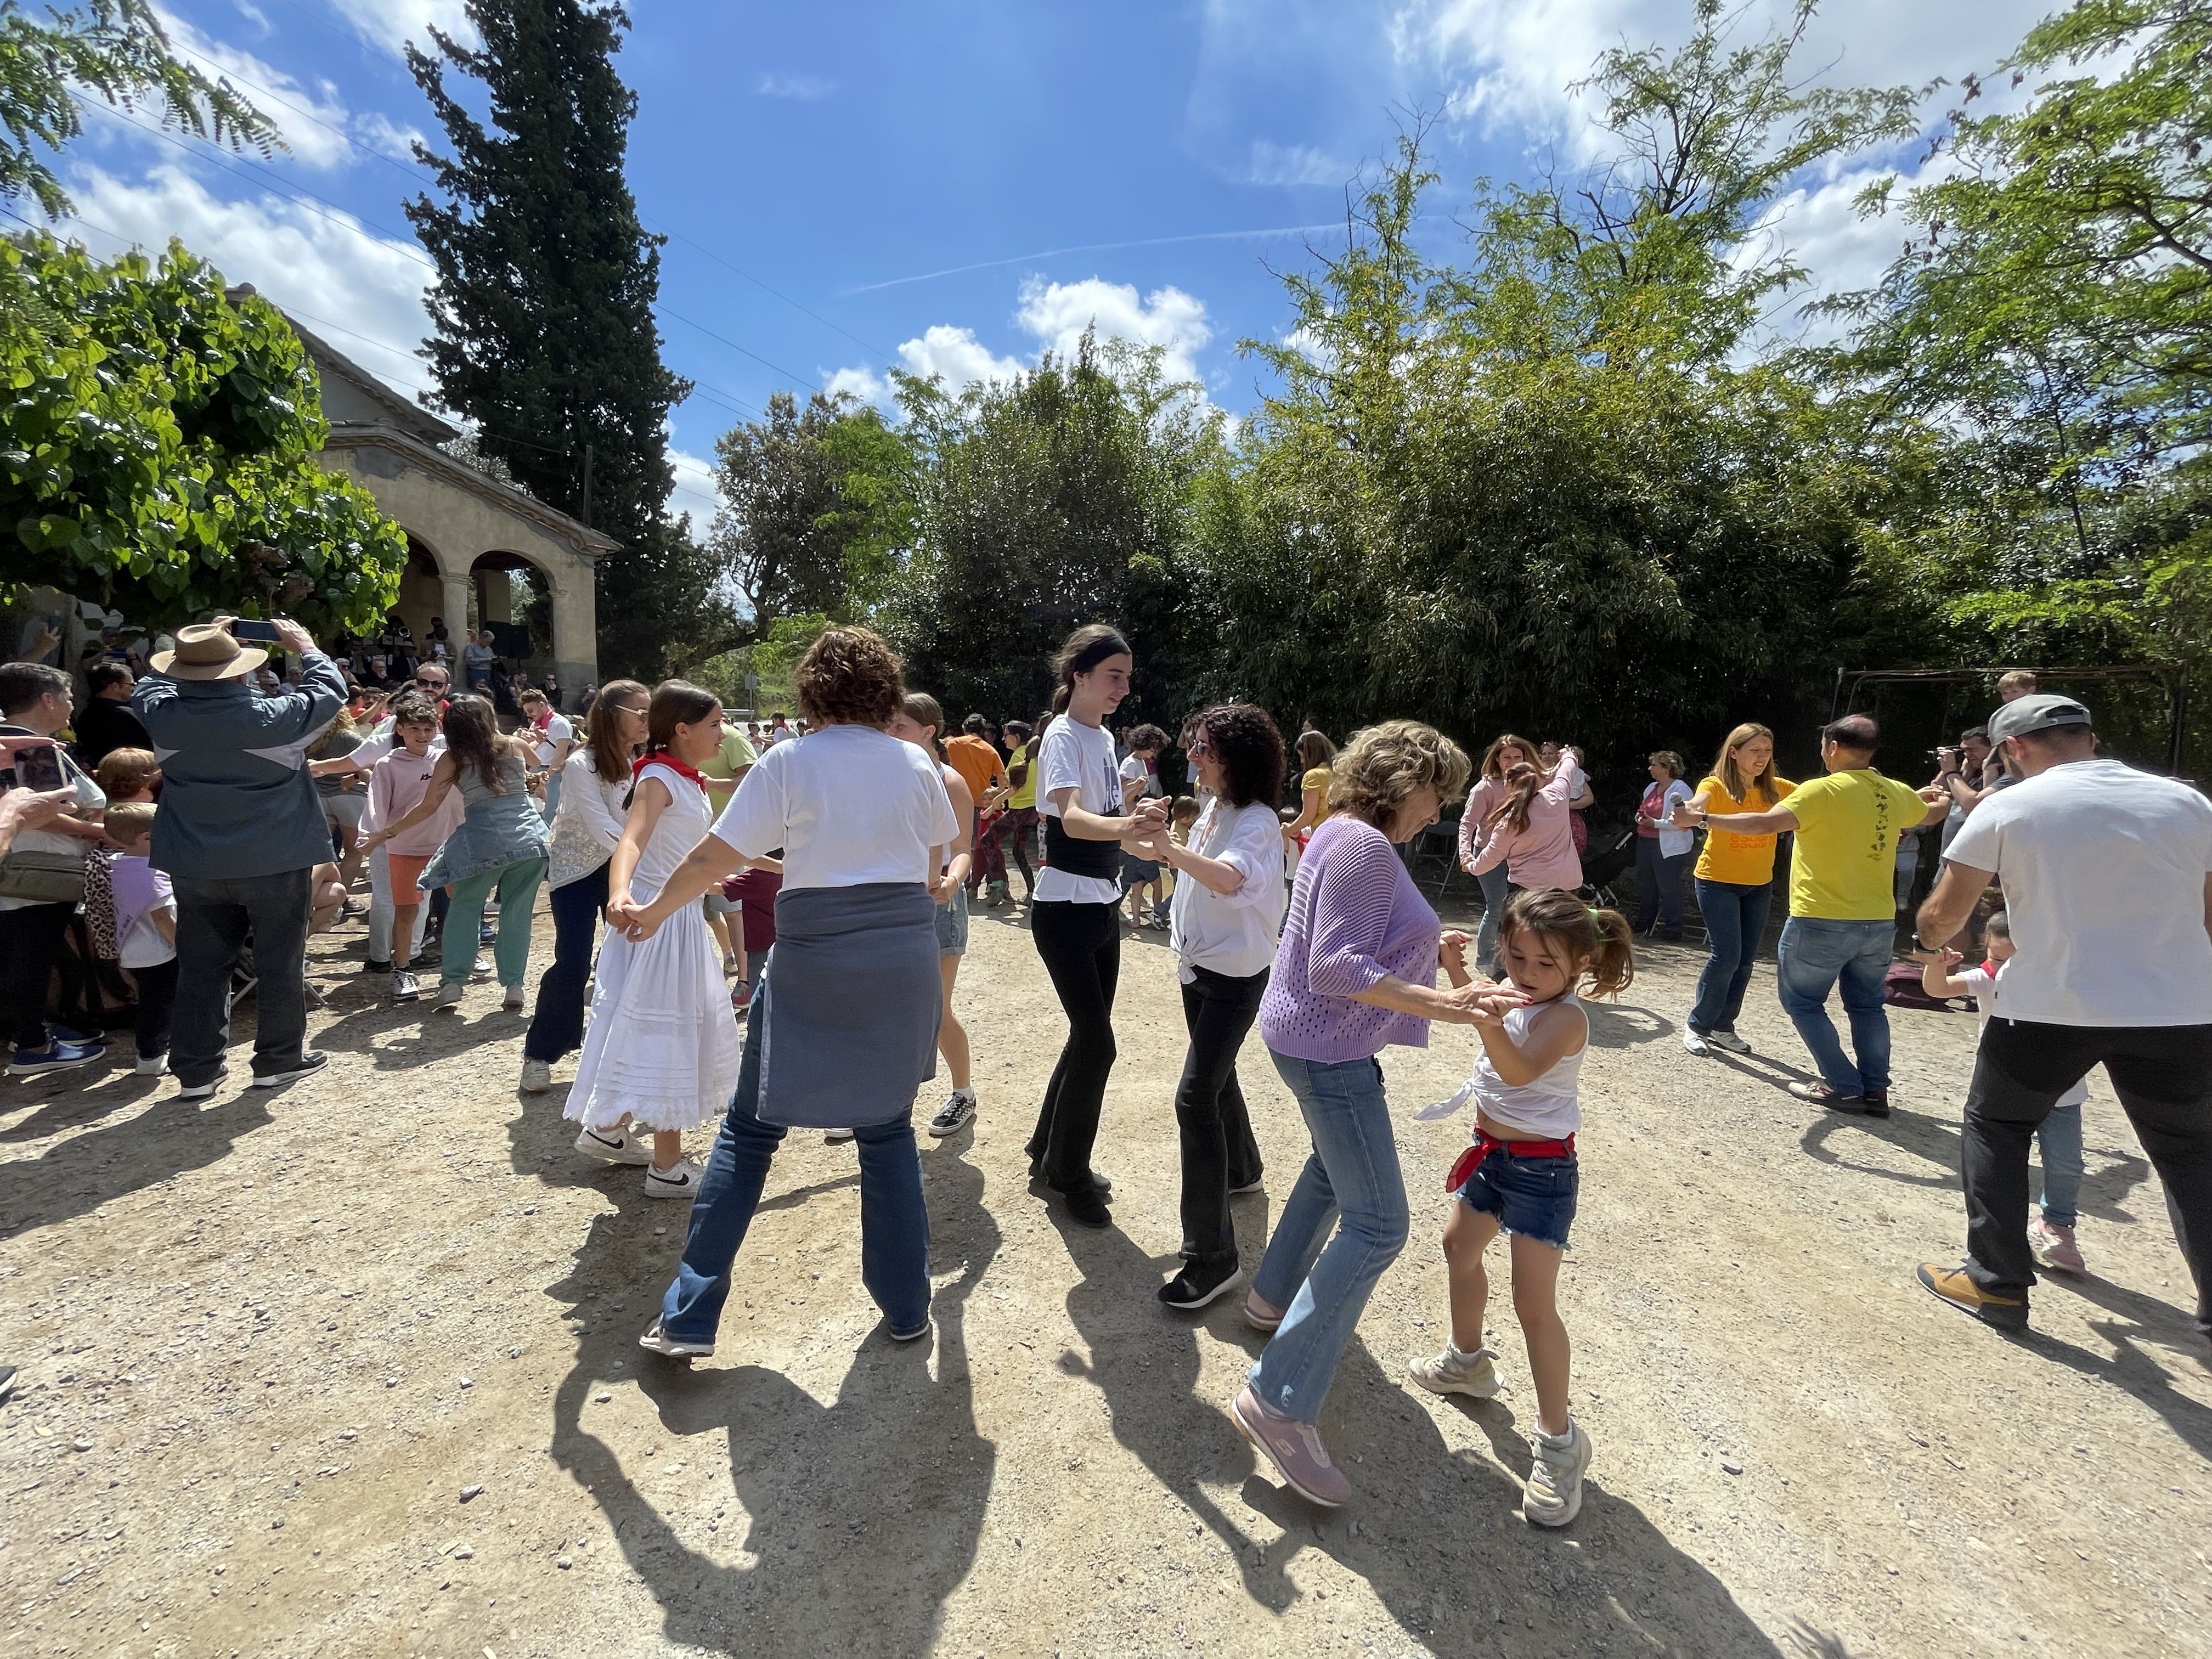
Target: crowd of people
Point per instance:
(761, 927)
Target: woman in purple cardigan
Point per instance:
(1355, 972)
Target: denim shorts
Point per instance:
(1136, 872)
(952, 925)
(1533, 1197)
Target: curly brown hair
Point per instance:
(850, 676)
(1381, 765)
(1244, 738)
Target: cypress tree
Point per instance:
(542, 330)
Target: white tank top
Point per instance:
(1549, 1109)
(682, 825)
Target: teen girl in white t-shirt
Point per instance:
(1072, 921)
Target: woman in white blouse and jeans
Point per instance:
(586, 828)
(844, 1029)
(1226, 914)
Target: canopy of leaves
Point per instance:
(117, 50)
(151, 430)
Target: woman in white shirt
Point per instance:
(552, 738)
(843, 1030)
(586, 829)
(1662, 850)
(1071, 920)
(1225, 917)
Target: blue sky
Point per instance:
(950, 188)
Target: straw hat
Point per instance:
(206, 651)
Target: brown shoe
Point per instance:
(1951, 1284)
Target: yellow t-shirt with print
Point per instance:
(1848, 827)
(1025, 792)
(1739, 860)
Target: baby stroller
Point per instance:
(1608, 859)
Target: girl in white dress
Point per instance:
(663, 1050)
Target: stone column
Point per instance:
(575, 632)
(456, 613)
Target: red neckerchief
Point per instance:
(662, 757)
(543, 721)
(1990, 967)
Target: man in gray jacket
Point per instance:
(239, 833)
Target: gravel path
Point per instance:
(350, 1369)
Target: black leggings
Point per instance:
(1080, 945)
(1212, 1120)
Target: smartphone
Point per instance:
(244, 628)
(39, 768)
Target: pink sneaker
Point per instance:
(1294, 1448)
(2054, 1246)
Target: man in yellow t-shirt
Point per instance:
(1843, 918)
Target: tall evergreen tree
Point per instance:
(542, 330)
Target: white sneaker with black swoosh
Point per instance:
(680, 1180)
(613, 1146)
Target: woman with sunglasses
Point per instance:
(587, 826)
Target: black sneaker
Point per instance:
(204, 1091)
(1197, 1284)
(1087, 1206)
(312, 1060)
(375, 967)
(1874, 1102)
(1098, 1183)
(956, 1114)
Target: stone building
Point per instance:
(465, 531)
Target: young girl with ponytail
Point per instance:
(1521, 1175)
(1072, 921)
(662, 1051)
(920, 721)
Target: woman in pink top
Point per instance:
(1503, 755)
(1529, 832)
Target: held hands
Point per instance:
(942, 887)
(1481, 1002)
(1451, 950)
(633, 920)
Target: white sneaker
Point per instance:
(481, 966)
(1554, 1494)
(680, 1180)
(449, 995)
(537, 1077)
(613, 1146)
(514, 999)
(405, 987)
(1729, 1041)
(836, 1137)
(1453, 1372)
(1696, 1045)
(151, 1065)
(656, 1340)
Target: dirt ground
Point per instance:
(350, 1369)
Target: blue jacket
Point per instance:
(236, 798)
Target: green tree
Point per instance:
(543, 332)
(117, 50)
(157, 444)
(1061, 497)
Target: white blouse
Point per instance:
(1231, 933)
(588, 822)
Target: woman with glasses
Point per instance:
(587, 826)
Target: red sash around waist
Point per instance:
(1469, 1161)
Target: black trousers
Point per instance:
(2163, 1076)
(1212, 1120)
(30, 941)
(1080, 945)
(157, 1003)
(558, 1026)
(215, 918)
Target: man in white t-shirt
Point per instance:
(2107, 877)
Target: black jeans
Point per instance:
(1080, 945)
(30, 940)
(2163, 1076)
(214, 919)
(1212, 1120)
(157, 1004)
(558, 1026)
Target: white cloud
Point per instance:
(1271, 163)
(1058, 312)
(361, 291)
(694, 492)
(955, 355)
(861, 382)
(312, 121)
(391, 24)
(804, 88)
(386, 137)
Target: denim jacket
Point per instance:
(236, 797)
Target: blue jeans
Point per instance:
(1658, 887)
(1494, 883)
(1349, 1197)
(558, 1026)
(2059, 1135)
(1735, 920)
(1817, 955)
(894, 1221)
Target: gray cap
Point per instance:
(2037, 712)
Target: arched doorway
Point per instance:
(510, 595)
